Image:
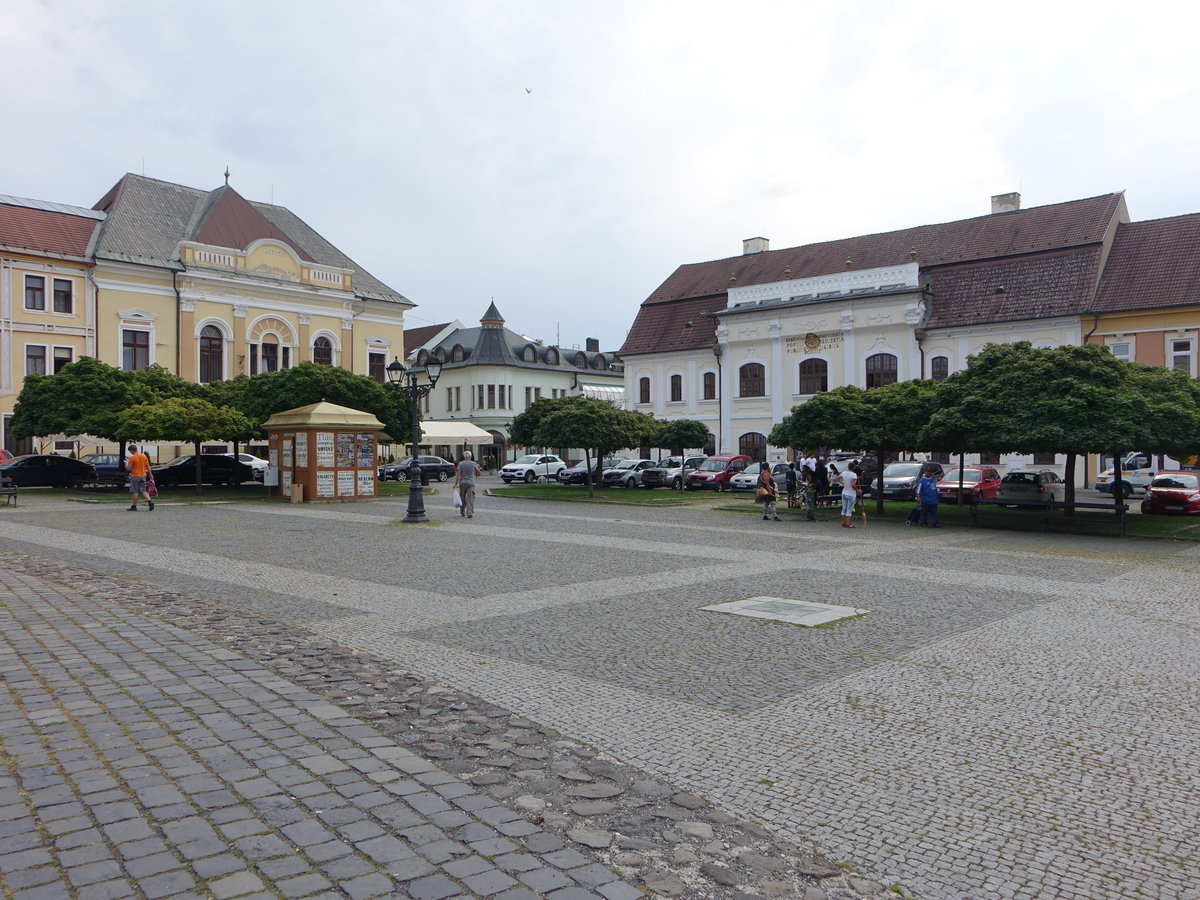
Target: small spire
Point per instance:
(227, 176)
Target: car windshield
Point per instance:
(183, 460)
(668, 463)
(1186, 482)
(528, 460)
(752, 469)
(1020, 478)
(626, 464)
(902, 470)
(713, 465)
(969, 476)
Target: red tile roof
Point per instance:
(1152, 264)
(45, 231)
(1026, 287)
(416, 337)
(669, 327)
(228, 220)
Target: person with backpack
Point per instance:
(927, 493)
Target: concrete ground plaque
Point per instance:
(794, 612)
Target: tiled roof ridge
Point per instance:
(875, 234)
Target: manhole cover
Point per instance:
(794, 612)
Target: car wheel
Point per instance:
(530, 478)
(442, 476)
(1126, 490)
(676, 484)
(74, 482)
(543, 479)
(233, 481)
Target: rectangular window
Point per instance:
(64, 296)
(135, 350)
(479, 404)
(457, 399)
(1121, 349)
(449, 399)
(676, 388)
(1181, 356)
(35, 359)
(287, 357)
(491, 395)
(35, 292)
(254, 359)
(377, 367)
(989, 459)
(1043, 459)
(503, 405)
(710, 386)
(63, 356)
(537, 393)
(528, 395)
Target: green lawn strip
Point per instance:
(578, 494)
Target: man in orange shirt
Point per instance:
(138, 466)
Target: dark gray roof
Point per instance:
(501, 347)
(147, 219)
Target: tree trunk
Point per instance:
(196, 460)
(879, 456)
(1069, 481)
(587, 457)
(961, 456)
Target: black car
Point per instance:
(577, 474)
(433, 468)
(48, 470)
(108, 467)
(214, 469)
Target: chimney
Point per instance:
(1002, 203)
(755, 245)
(593, 345)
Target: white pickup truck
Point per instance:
(1138, 469)
(533, 467)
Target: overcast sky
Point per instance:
(563, 158)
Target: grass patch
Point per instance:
(579, 493)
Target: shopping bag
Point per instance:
(457, 499)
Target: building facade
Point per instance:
(206, 284)
(738, 342)
(491, 374)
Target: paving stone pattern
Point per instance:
(1022, 725)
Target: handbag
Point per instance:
(457, 499)
(763, 495)
(151, 488)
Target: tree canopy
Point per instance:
(85, 397)
(598, 427)
(677, 435)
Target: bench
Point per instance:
(1043, 511)
(8, 491)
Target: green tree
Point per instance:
(597, 427)
(85, 397)
(182, 419)
(259, 397)
(677, 434)
(525, 425)
(839, 418)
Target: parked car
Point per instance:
(256, 463)
(48, 470)
(1137, 471)
(627, 472)
(577, 474)
(900, 478)
(1030, 488)
(5, 456)
(108, 467)
(714, 473)
(433, 468)
(1173, 493)
(868, 469)
(671, 472)
(747, 479)
(215, 468)
(533, 467)
(978, 483)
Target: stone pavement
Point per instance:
(1015, 717)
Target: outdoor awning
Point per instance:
(609, 393)
(453, 433)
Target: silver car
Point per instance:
(627, 472)
(747, 479)
(1031, 488)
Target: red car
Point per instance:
(979, 483)
(1173, 493)
(714, 473)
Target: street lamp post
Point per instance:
(404, 380)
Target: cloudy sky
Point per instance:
(562, 158)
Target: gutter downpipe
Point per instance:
(178, 323)
(716, 349)
(1087, 460)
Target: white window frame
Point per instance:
(52, 362)
(1120, 341)
(47, 302)
(70, 282)
(47, 360)
(1190, 352)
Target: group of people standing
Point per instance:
(809, 477)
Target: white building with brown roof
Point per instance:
(738, 342)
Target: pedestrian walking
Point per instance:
(849, 482)
(791, 482)
(464, 483)
(927, 493)
(138, 466)
(810, 495)
(766, 493)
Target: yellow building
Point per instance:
(206, 284)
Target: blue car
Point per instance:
(108, 467)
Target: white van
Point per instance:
(1137, 469)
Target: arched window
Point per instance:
(530, 354)
(814, 376)
(939, 368)
(456, 355)
(581, 360)
(599, 363)
(422, 357)
(643, 390)
(752, 380)
(439, 354)
(881, 370)
(212, 354)
(710, 387)
(323, 351)
(552, 356)
(753, 445)
(710, 445)
(676, 388)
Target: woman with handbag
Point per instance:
(765, 492)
